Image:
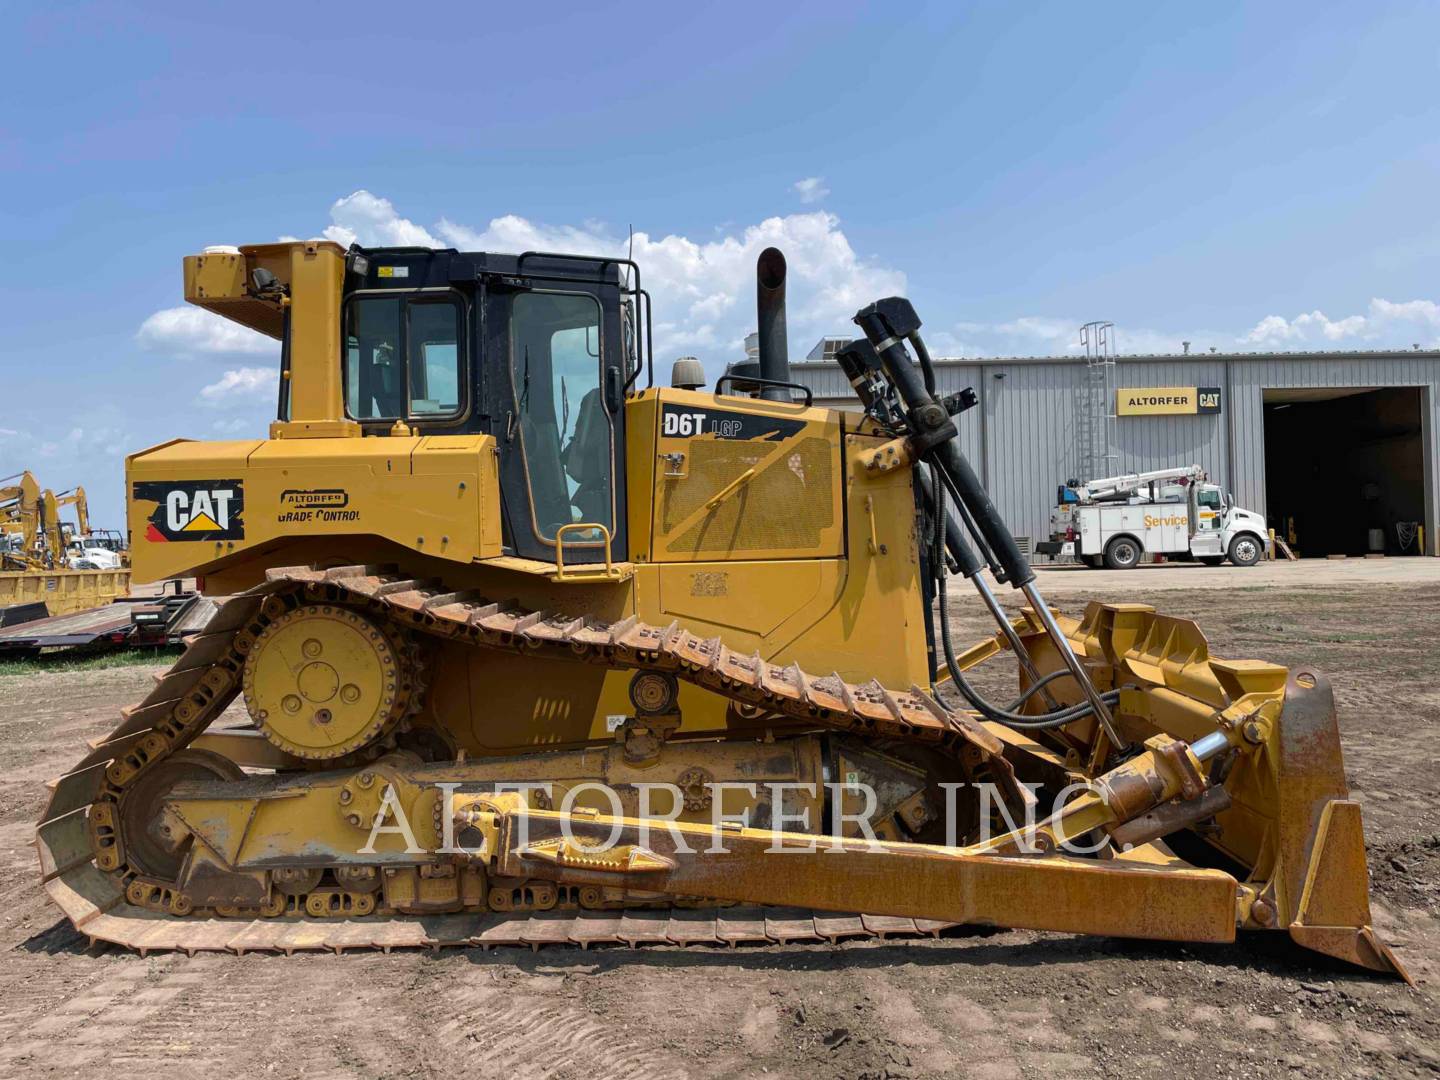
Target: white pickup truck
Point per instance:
(93, 553)
(1115, 521)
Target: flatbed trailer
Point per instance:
(108, 625)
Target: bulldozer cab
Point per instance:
(533, 350)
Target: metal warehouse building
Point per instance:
(1328, 446)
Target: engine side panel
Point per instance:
(740, 478)
(193, 505)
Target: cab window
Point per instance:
(404, 358)
(373, 382)
(565, 431)
(1209, 498)
(434, 360)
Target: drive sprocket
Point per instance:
(323, 681)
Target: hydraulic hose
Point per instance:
(1036, 687)
(1019, 721)
(927, 369)
(1007, 716)
(888, 324)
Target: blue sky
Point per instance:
(1241, 177)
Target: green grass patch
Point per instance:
(76, 660)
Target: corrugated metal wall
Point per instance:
(1022, 435)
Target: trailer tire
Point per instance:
(1123, 553)
(1246, 549)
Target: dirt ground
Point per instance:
(991, 1005)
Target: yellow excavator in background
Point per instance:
(76, 498)
(30, 521)
(77, 536)
(19, 519)
(17, 500)
(47, 567)
(532, 653)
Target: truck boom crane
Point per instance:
(1126, 485)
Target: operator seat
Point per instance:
(587, 460)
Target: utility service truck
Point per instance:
(1115, 520)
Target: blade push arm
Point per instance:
(1019, 879)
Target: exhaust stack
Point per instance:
(770, 321)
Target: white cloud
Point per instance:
(703, 293)
(8, 433)
(1043, 335)
(373, 221)
(703, 289)
(1425, 311)
(235, 425)
(1042, 328)
(1386, 324)
(1270, 329)
(241, 383)
(811, 189)
(187, 331)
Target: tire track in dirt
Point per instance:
(198, 1017)
(72, 1014)
(517, 1033)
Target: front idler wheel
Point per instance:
(150, 847)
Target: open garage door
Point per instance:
(1345, 469)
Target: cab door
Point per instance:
(1209, 522)
(1210, 512)
(556, 409)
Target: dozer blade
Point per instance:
(1291, 826)
(1322, 882)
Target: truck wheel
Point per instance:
(1122, 553)
(1245, 550)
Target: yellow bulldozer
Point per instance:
(530, 653)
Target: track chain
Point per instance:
(81, 849)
